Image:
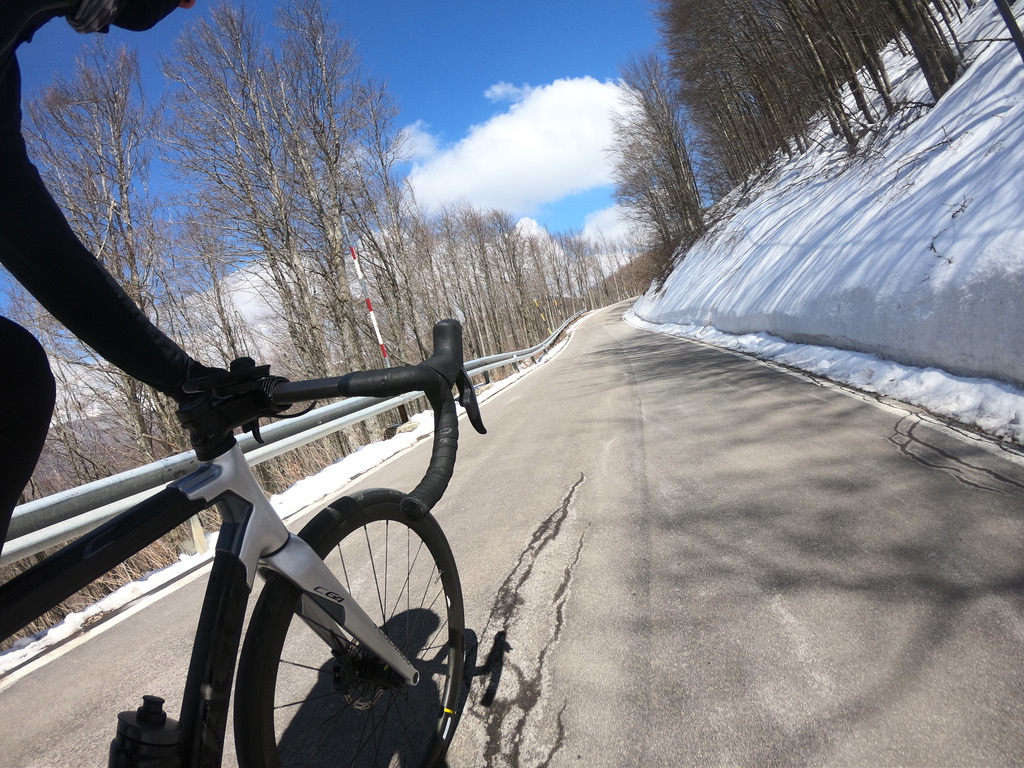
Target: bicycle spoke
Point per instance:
(373, 566)
(303, 701)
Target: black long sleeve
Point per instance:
(139, 15)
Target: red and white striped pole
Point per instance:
(366, 292)
(403, 412)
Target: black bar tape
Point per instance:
(288, 392)
(447, 357)
(387, 382)
(435, 376)
(442, 461)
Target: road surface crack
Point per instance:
(929, 455)
(526, 621)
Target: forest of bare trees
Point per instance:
(272, 145)
(654, 175)
(739, 84)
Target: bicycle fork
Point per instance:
(325, 598)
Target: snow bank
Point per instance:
(911, 252)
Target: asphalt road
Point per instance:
(673, 555)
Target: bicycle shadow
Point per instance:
(490, 671)
(328, 723)
(380, 728)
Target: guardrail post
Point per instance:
(197, 537)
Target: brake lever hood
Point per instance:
(467, 399)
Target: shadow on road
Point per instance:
(886, 555)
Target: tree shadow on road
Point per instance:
(849, 579)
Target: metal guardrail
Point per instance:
(56, 519)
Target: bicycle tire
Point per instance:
(296, 703)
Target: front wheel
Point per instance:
(298, 702)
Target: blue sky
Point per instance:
(508, 102)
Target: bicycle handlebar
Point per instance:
(270, 395)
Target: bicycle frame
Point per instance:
(252, 538)
(265, 541)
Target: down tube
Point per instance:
(32, 593)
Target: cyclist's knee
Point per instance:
(27, 394)
(29, 384)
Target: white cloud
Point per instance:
(611, 223)
(507, 92)
(422, 145)
(550, 143)
(530, 227)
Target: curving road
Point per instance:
(673, 555)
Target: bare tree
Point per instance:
(654, 176)
(92, 135)
(230, 144)
(205, 285)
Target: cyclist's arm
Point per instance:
(39, 248)
(44, 255)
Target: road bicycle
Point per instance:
(355, 650)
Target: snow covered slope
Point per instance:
(910, 253)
